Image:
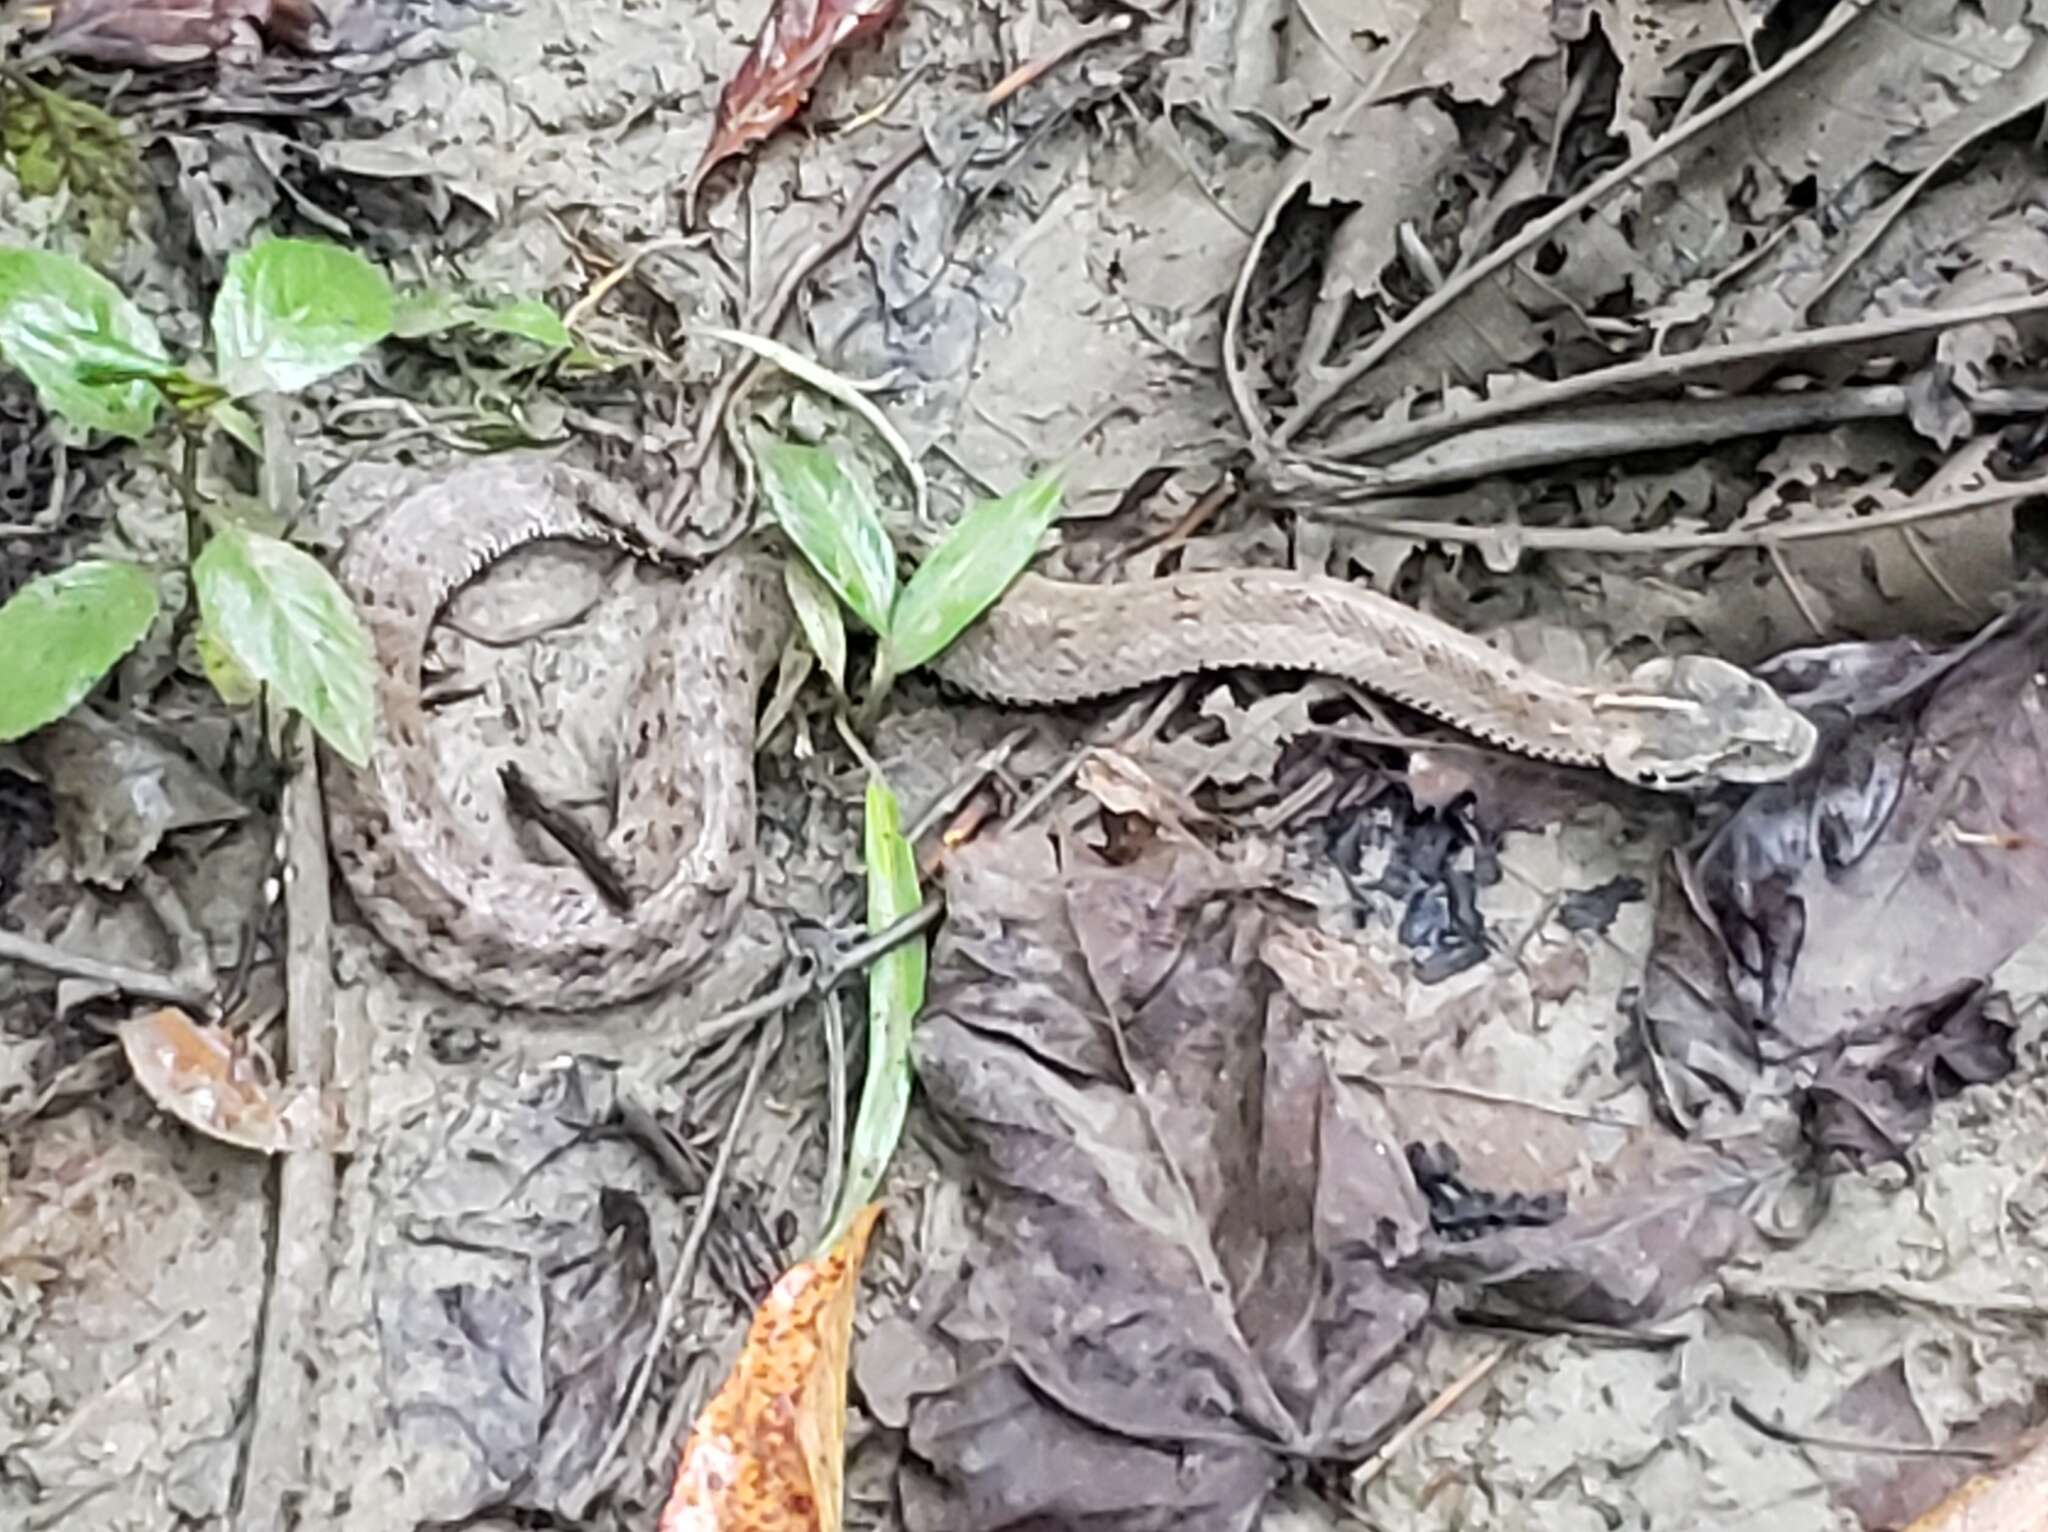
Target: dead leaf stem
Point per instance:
(1602, 432)
(1457, 1389)
(679, 1282)
(1792, 1438)
(1678, 540)
(1667, 371)
(1537, 231)
(1241, 396)
(142, 983)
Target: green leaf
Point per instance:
(59, 321)
(236, 686)
(293, 311)
(831, 517)
(423, 311)
(895, 995)
(284, 621)
(845, 390)
(968, 573)
(819, 616)
(529, 320)
(56, 144)
(62, 632)
(239, 425)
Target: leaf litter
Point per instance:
(1240, 1109)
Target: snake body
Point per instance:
(522, 934)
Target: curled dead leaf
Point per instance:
(770, 87)
(217, 1083)
(766, 1455)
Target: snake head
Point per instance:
(1690, 720)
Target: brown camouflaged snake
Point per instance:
(524, 934)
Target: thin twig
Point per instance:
(1786, 1434)
(1615, 540)
(1602, 432)
(143, 983)
(1630, 379)
(666, 1447)
(1458, 1388)
(1578, 1329)
(1880, 222)
(820, 978)
(1492, 1097)
(1169, 701)
(679, 1279)
(1538, 230)
(835, 1106)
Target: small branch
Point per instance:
(679, 1280)
(1606, 431)
(818, 979)
(568, 832)
(1458, 1388)
(1633, 378)
(1541, 229)
(1792, 1438)
(1613, 540)
(143, 983)
(283, 1412)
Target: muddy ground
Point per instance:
(1709, 1283)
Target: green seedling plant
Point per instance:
(846, 563)
(830, 515)
(289, 313)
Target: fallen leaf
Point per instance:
(217, 1083)
(120, 788)
(767, 1453)
(1921, 819)
(1122, 786)
(1189, 1256)
(165, 33)
(796, 43)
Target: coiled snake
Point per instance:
(523, 934)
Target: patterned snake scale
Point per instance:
(523, 934)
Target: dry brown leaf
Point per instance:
(217, 1083)
(1122, 786)
(796, 43)
(162, 33)
(767, 1453)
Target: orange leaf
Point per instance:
(767, 1453)
(217, 1082)
(796, 43)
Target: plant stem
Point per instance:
(880, 680)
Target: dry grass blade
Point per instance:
(830, 383)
